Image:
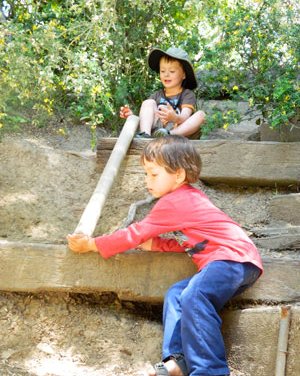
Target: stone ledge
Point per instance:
(251, 338)
(286, 208)
(233, 162)
(139, 276)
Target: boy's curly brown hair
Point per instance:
(172, 153)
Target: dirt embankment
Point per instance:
(46, 181)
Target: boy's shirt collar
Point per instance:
(173, 95)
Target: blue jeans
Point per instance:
(192, 325)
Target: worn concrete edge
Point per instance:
(136, 275)
(107, 143)
(232, 162)
(242, 336)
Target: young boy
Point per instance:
(226, 259)
(170, 110)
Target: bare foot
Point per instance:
(172, 368)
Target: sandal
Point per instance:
(179, 359)
(161, 369)
(142, 135)
(161, 132)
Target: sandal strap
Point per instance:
(160, 369)
(179, 359)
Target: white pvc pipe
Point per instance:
(92, 212)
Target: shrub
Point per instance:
(255, 57)
(84, 59)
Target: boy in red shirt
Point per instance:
(172, 109)
(227, 260)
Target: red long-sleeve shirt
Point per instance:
(202, 230)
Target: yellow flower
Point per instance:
(226, 125)
(62, 85)
(96, 89)
(93, 127)
(287, 98)
(62, 132)
(235, 88)
(267, 99)
(53, 23)
(46, 100)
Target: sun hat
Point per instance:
(156, 54)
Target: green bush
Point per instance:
(81, 60)
(255, 57)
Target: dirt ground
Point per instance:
(45, 182)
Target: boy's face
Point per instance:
(159, 181)
(171, 74)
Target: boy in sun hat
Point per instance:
(172, 109)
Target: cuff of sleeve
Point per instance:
(101, 248)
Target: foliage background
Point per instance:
(78, 61)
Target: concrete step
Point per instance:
(234, 162)
(251, 334)
(252, 340)
(135, 275)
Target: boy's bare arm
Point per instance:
(186, 112)
(167, 114)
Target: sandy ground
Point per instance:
(45, 182)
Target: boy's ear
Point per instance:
(181, 175)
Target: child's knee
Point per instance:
(200, 115)
(174, 292)
(149, 103)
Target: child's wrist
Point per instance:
(92, 245)
(176, 118)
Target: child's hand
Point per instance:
(166, 113)
(125, 111)
(81, 243)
